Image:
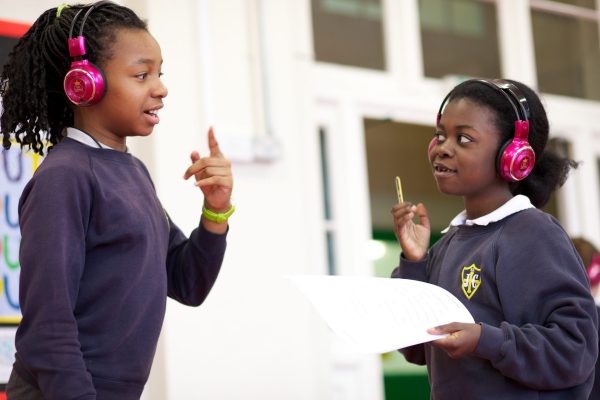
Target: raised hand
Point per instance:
(413, 238)
(213, 176)
(461, 341)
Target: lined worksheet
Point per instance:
(378, 315)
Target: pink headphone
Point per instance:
(84, 83)
(593, 270)
(516, 157)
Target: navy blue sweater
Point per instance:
(99, 256)
(522, 280)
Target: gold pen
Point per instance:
(399, 190)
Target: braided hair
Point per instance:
(35, 107)
(550, 170)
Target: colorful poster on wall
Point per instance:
(16, 168)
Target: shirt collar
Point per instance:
(82, 137)
(518, 203)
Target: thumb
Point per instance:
(447, 328)
(423, 217)
(195, 156)
(439, 330)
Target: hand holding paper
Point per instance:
(378, 315)
(462, 338)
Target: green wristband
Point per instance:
(219, 218)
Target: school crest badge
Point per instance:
(471, 280)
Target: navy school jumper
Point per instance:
(99, 256)
(523, 281)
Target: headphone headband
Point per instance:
(85, 17)
(509, 90)
(73, 24)
(516, 95)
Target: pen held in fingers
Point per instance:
(399, 190)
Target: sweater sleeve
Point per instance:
(53, 213)
(415, 270)
(193, 264)
(551, 341)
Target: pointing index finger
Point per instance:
(213, 145)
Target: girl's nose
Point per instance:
(160, 90)
(444, 149)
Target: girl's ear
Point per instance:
(431, 146)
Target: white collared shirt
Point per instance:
(84, 138)
(518, 203)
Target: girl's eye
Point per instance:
(439, 137)
(462, 139)
(160, 74)
(141, 76)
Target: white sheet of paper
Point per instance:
(378, 315)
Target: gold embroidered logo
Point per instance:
(471, 280)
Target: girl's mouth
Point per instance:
(153, 116)
(440, 170)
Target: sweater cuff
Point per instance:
(416, 270)
(215, 243)
(206, 234)
(490, 342)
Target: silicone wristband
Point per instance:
(219, 218)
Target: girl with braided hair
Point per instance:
(99, 255)
(512, 265)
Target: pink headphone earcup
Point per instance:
(84, 83)
(593, 270)
(515, 160)
(594, 274)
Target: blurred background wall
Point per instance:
(320, 104)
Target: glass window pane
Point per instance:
(325, 174)
(567, 55)
(325, 179)
(459, 37)
(349, 32)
